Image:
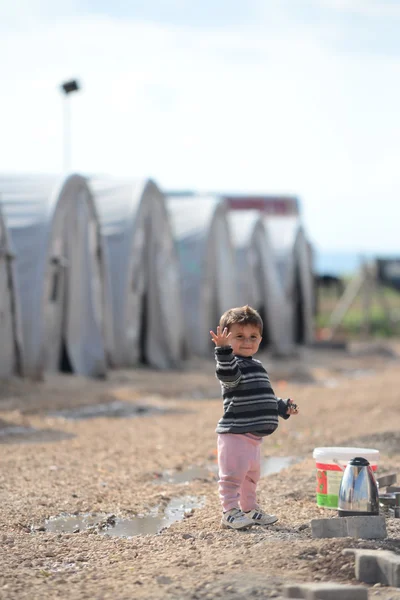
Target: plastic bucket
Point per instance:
(330, 463)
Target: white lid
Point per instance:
(345, 453)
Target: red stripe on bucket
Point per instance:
(324, 467)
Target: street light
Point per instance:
(67, 88)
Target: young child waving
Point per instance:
(251, 412)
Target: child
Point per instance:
(251, 411)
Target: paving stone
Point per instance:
(325, 591)
(386, 480)
(329, 528)
(376, 566)
(365, 527)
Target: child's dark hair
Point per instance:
(242, 315)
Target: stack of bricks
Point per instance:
(325, 591)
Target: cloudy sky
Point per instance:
(261, 96)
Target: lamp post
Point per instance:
(68, 87)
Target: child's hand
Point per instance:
(221, 338)
(292, 408)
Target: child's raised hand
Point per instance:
(292, 408)
(221, 338)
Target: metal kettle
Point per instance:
(358, 492)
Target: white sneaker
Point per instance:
(236, 519)
(261, 518)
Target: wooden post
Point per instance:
(349, 295)
(367, 289)
(380, 295)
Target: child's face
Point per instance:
(245, 339)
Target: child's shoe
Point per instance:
(261, 518)
(236, 519)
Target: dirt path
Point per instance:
(114, 467)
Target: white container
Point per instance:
(330, 463)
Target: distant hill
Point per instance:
(343, 263)
(336, 263)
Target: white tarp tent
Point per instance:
(144, 270)
(207, 265)
(294, 264)
(10, 335)
(257, 278)
(61, 274)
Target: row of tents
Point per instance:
(104, 273)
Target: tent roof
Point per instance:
(51, 219)
(30, 199)
(144, 270)
(118, 201)
(242, 225)
(207, 264)
(187, 222)
(282, 232)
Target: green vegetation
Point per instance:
(382, 319)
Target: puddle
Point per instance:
(275, 464)
(75, 523)
(154, 522)
(359, 373)
(330, 383)
(17, 434)
(118, 409)
(187, 475)
(269, 466)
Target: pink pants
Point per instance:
(239, 458)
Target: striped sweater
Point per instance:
(250, 405)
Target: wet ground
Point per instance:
(108, 489)
(158, 519)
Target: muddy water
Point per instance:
(115, 409)
(269, 466)
(151, 523)
(118, 408)
(17, 434)
(192, 473)
(275, 464)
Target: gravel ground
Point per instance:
(143, 443)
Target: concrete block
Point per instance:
(293, 591)
(393, 489)
(325, 591)
(367, 528)
(376, 566)
(329, 528)
(364, 527)
(386, 480)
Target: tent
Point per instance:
(10, 335)
(207, 265)
(293, 260)
(144, 269)
(61, 274)
(257, 278)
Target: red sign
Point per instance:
(270, 205)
